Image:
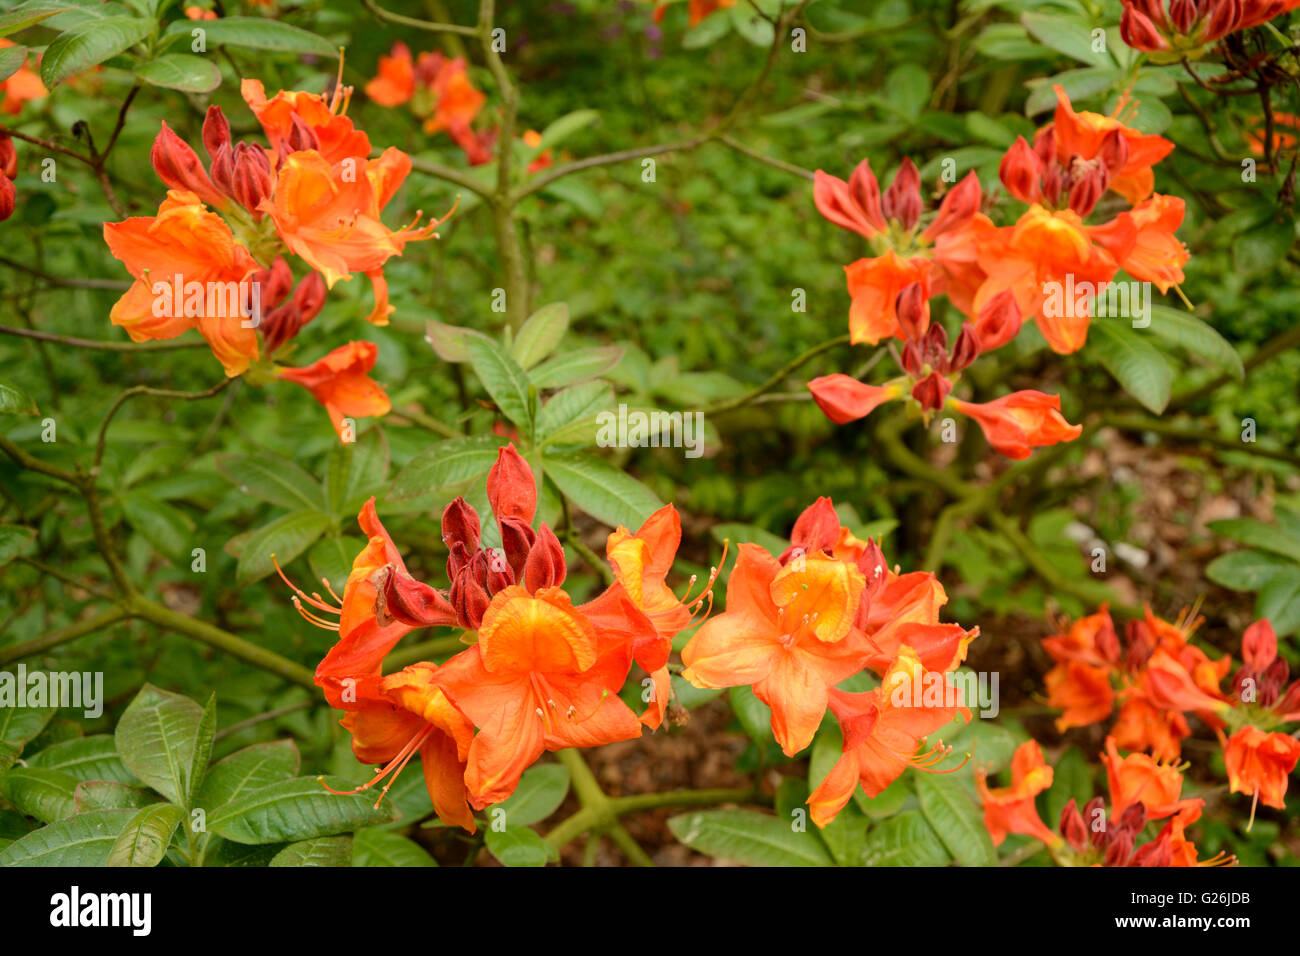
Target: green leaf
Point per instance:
(89, 45)
(110, 795)
(519, 846)
(1196, 336)
(1279, 601)
(323, 851)
(12, 59)
(14, 540)
(956, 819)
(12, 21)
(273, 479)
(181, 71)
(754, 839)
(541, 790)
(18, 725)
(297, 809)
(256, 33)
(47, 795)
(907, 90)
(504, 380)
(374, 847)
(85, 758)
(1071, 780)
(284, 538)
(1066, 35)
(754, 715)
(246, 771)
(147, 835)
(450, 342)
(165, 740)
(904, 840)
(601, 490)
(164, 526)
(576, 365)
(578, 403)
(14, 401)
(541, 333)
(1136, 364)
(1258, 534)
(1245, 570)
(445, 463)
(84, 840)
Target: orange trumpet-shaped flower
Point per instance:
(1011, 809)
(1259, 763)
(340, 381)
(541, 677)
(331, 219)
(295, 120)
(1139, 778)
(883, 729)
(1143, 243)
(844, 399)
(188, 248)
(1081, 691)
(1083, 134)
(788, 632)
(394, 83)
(1019, 422)
(1140, 725)
(874, 285)
(411, 715)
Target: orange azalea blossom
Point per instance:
(293, 120)
(788, 632)
(184, 243)
(1139, 778)
(874, 285)
(1259, 763)
(1017, 423)
(844, 399)
(1011, 809)
(340, 381)
(1083, 135)
(1143, 244)
(439, 89)
(883, 729)
(541, 677)
(1141, 725)
(641, 564)
(20, 87)
(332, 221)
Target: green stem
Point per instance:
(780, 376)
(73, 631)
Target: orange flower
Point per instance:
(332, 220)
(456, 101)
(1143, 243)
(22, 86)
(1040, 251)
(295, 120)
(844, 399)
(1083, 134)
(883, 729)
(411, 715)
(189, 248)
(1139, 778)
(874, 285)
(1011, 809)
(1082, 692)
(1140, 725)
(1090, 640)
(541, 677)
(641, 564)
(1018, 422)
(340, 382)
(395, 82)
(788, 632)
(1259, 763)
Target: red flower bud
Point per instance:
(1183, 14)
(469, 597)
(216, 131)
(1225, 16)
(913, 311)
(545, 567)
(1119, 849)
(1021, 171)
(1086, 190)
(816, 528)
(511, 488)
(902, 200)
(1113, 151)
(931, 391)
(1073, 827)
(998, 321)
(966, 350)
(1158, 852)
(400, 597)
(309, 297)
(1139, 31)
(1259, 645)
(223, 170)
(301, 136)
(910, 359)
(252, 177)
(460, 526)
(1099, 835)
(179, 167)
(1045, 145)
(843, 399)
(517, 538)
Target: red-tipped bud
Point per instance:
(309, 297)
(1139, 32)
(223, 170)
(998, 321)
(1045, 145)
(911, 360)
(1113, 151)
(1053, 183)
(8, 197)
(500, 575)
(179, 167)
(1108, 642)
(1073, 827)
(966, 350)
(931, 391)
(816, 529)
(913, 310)
(1290, 702)
(1225, 16)
(1088, 188)
(1021, 171)
(469, 597)
(1134, 817)
(902, 200)
(545, 567)
(871, 562)
(460, 526)
(1119, 849)
(1158, 852)
(1259, 645)
(400, 597)
(1183, 14)
(275, 283)
(252, 177)
(216, 131)
(1094, 815)
(511, 489)
(8, 156)
(302, 136)
(517, 538)
(843, 399)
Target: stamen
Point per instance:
(312, 618)
(326, 581)
(394, 767)
(313, 601)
